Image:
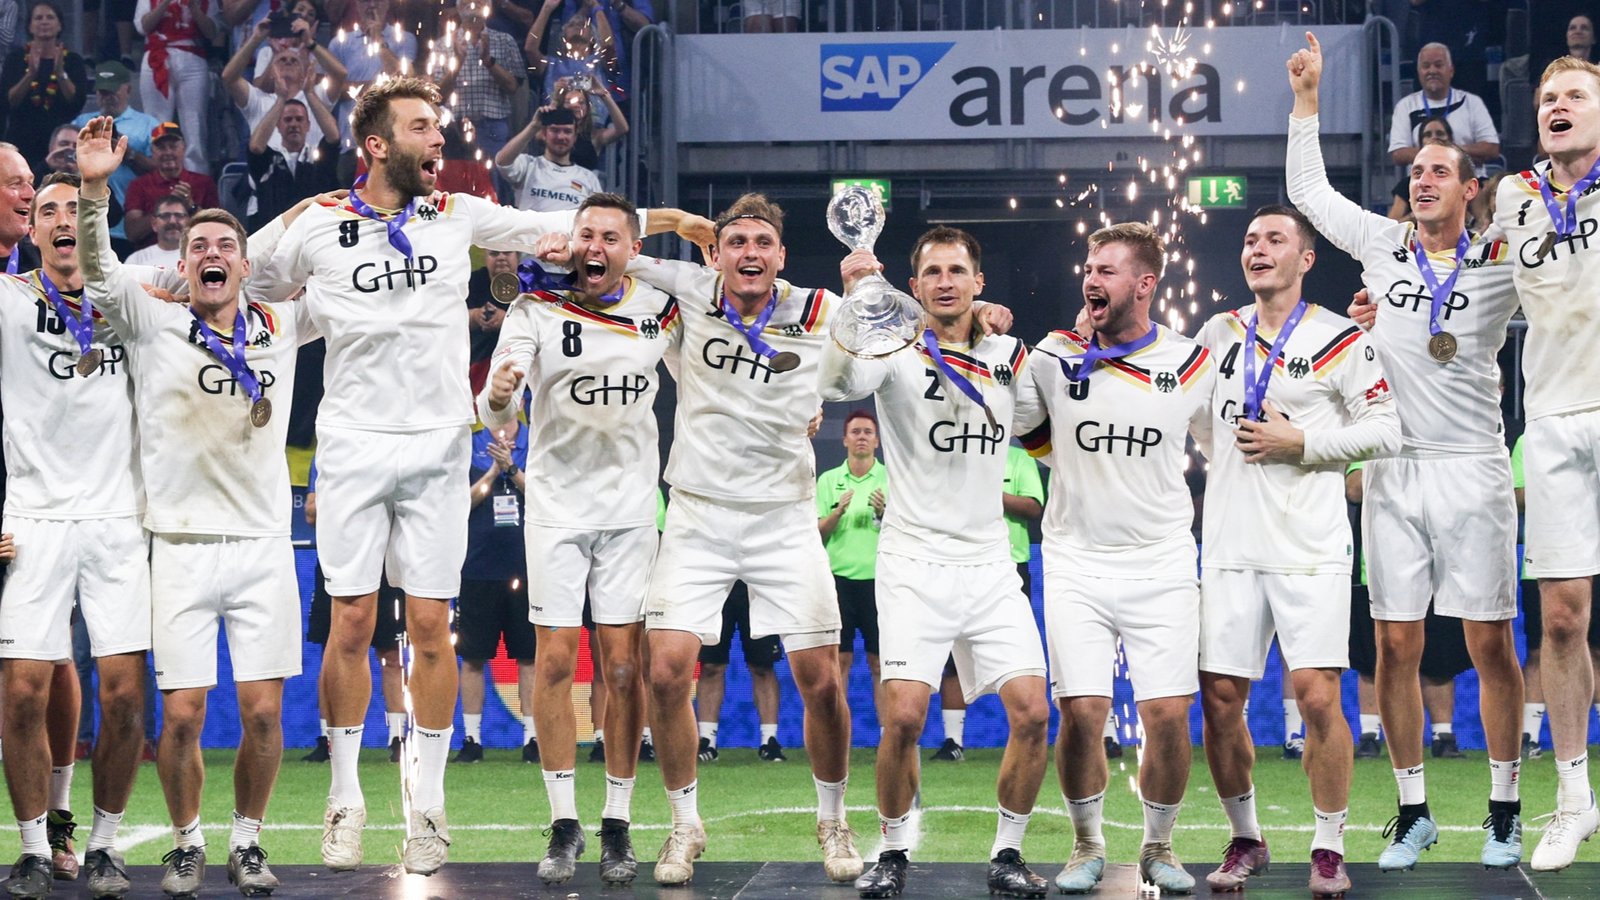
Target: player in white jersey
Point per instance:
(590, 357)
(1440, 519)
(385, 275)
(1299, 391)
(945, 577)
(217, 502)
(1111, 414)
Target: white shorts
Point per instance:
(249, 583)
(928, 612)
(611, 567)
(1562, 498)
(1158, 620)
(395, 503)
(1241, 609)
(774, 548)
(1443, 529)
(777, 9)
(103, 564)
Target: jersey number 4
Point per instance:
(1228, 361)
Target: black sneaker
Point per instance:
(597, 753)
(949, 751)
(1009, 877)
(560, 862)
(618, 866)
(771, 751)
(319, 753)
(1369, 747)
(647, 750)
(30, 877)
(1113, 748)
(708, 750)
(1444, 747)
(471, 751)
(1530, 747)
(530, 751)
(58, 826)
(1294, 747)
(394, 750)
(886, 878)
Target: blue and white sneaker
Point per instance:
(1413, 831)
(1502, 846)
(1160, 867)
(1084, 869)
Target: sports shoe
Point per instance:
(1294, 747)
(1159, 866)
(1562, 836)
(1530, 747)
(341, 836)
(840, 859)
(708, 750)
(30, 877)
(1084, 869)
(530, 751)
(675, 862)
(427, 842)
(319, 753)
(1502, 846)
(1009, 876)
(1413, 831)
(618, 865)
(1328, 877)
(108, 873)
(949, 751)
(1369, 747)
(597, 753)
(58, 827)
(247, 868)
(1113, 748)
(471, 752)
(886, 878)
(771, 751)
(394, 750)
(647, 750)
(1444, 747)
(560, 861)
(186, 871)
(1242, 858)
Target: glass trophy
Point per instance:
(875, 319)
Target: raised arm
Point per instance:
(112, 289)
(1340, 219)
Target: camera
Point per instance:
(280, 24)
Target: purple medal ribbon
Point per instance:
(534, 278)
(752, 332)
(397, 239)
(82, 329)
(1093, 353)
(232, 358)
(1255, 389)
(931, 342)
(16, 257)
(1440, 291)
(1566, 225)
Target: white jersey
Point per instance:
(1289, 517)
(740, 430)
(593, 460)
(208, 471)
(1446, 408)
(545, 186)
(396, 328)
(1559, 294)
(1119, 506)
(946, 464)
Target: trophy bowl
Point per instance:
(876, 320)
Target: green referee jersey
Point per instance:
(853, 546)
(1022, 480)
(1360, 466)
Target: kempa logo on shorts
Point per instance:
(874, 77)
(536, 608)
(895, 662)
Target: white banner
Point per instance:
(976, 85)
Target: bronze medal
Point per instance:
(1442, 347)
(89, 363)
(504, 288)
(261, 412)
(785, 361)
(1547, 247)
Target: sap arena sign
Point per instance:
(974, 85)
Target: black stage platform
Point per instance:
(936, 881)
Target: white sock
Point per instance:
(769, 731)
(830, 799)
(1503, 780)
(397, 725)
(708, 731)
(600, 735)
(61, 786)
(1370, 723)
(246, 831)
(619, 798)
(1159, 818)
(1111, 726)
(1292, 722)
(1087, 817)
(1241, 813)
(323, 724)
(35, 839)
(1572, 784)
(103, 833)
(344, 751)
(1330, 830)
(955, 725)
(685, 803)
(644, 735)
(473, 726)
(896, 833)
(561, 786)
(1532, 719)
(1413, 789)
(1008, 831)
(529, 732)
(433, 750)
(189, 835)
(1442, 728)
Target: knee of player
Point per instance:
(183, 721)
(261, 717)
(622, 675)
(1566, 624)
(1320, 701)
(1401, 646)
(1166, 715)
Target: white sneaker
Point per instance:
(427, 842)
(840, 859)
(675, 863)
(341, 836)
(1566, 831)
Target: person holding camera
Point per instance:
(43, 83)
(173, 78)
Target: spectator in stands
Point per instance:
(295, 26)
(174, 80)
(592, 135)
(113, 85)
(488, 70)
(625, 18)
(1468, 117)
(63, 151)
(1467, 27)
(171, 218)
(585, 51)
(466, 171)
(1580, 37)
(376, 46)
(281, 176)
(289, 66)
(10, 16)
(766, 16)
(170, 177)
(44, 83)
(1550, 31)
(549, 181)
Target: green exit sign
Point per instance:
(1218, 191)
(879, 186)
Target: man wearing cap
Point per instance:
(169, 178)
(113, 84)
(550, 181)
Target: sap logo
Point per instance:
(874, 77)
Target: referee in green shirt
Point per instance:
(849, 513)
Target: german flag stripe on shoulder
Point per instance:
(1335, 348)
(668, 317)
(1194, 365)
(1019, 356)
(812, 309)
(267, 316)
(1037, 441)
